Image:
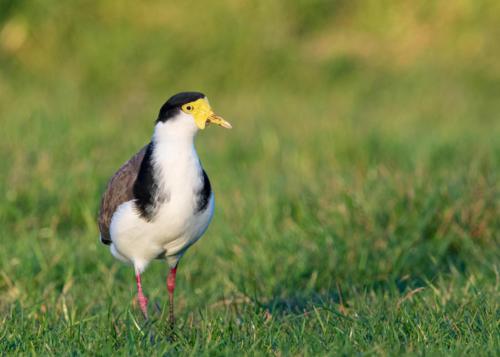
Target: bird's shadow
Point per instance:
(283, 304)
(341, 291)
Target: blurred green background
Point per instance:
(365, 151)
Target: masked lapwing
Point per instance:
(160, 202)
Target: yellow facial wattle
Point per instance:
(203, 113)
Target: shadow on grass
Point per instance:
(414, 278)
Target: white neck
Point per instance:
(174, 156)
(178, 129)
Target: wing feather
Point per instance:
(120, 189)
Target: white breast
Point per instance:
(175, 225)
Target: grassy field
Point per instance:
(358, 195)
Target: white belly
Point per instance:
(175, 225)
(168, 235)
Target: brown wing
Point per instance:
(119, 190)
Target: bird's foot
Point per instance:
(170, 330)
(143, 304)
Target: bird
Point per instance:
(160, 202)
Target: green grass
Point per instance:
(358, 195)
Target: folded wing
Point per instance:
(120, 189)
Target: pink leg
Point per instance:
(171, 288)
(143, 301)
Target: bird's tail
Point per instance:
(104, 240)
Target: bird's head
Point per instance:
(187, 112)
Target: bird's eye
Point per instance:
(189, 108)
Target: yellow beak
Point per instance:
(214, 118)
(203, 114)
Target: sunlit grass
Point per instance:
(357, 195)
